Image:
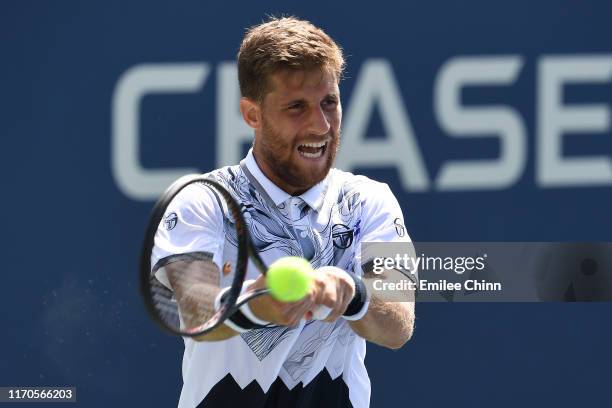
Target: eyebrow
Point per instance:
(292, 101)
(332, 95)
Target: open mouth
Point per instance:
(312, 150)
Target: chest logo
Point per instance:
(170, 221)
(399, 227)
(342, 236)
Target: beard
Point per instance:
(288, 171)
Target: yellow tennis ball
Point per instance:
(289, 278)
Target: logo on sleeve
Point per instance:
(342, 236)
(170, 221)
(399, 227)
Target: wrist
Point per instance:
(358, 306)
(242, 319)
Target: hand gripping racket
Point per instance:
(195, 277)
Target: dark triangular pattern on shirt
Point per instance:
(263, 341)
(322, 392)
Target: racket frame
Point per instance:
(245, 252)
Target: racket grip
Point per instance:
(321, 312)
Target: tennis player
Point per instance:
(273, 354)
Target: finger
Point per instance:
(332, 317)
(299, 314)
(291, 307)
(319, 297)
(348, 297)
(297, 311)
(337, 310)
(335, 313)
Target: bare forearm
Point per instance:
(388, 324)
(195, 294)
(195, 299)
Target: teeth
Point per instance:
(315, 145)
(319, 148)
(312, 155)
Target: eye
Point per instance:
(294, 106)
(329, 103)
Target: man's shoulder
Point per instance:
(225, 172)
(230, 177)
(357, 182)
(197, 195)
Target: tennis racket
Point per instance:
(194, 276)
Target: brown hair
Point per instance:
(283, 43)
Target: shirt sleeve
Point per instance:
(191, 227)
(382, 224)
(382, 217)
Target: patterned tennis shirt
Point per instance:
(314, 363)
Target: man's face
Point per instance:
(299, 136)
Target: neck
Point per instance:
(265, 169)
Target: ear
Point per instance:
(251, 112)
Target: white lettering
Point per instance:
(376, 85)
(472, 122)
(131, 177)
(554, 119)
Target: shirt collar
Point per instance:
(313, 197)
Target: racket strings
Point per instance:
(191, 302)
(181, 294)
(164, 303)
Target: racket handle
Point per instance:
(321, 312)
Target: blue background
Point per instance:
(71, 311)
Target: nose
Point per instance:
(319, 122)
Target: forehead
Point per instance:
(292, 83)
